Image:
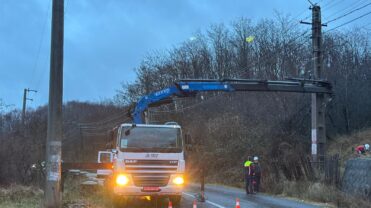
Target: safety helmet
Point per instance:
(367, 147)
(256, 158)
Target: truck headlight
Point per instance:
(122, 180)
(179, 180)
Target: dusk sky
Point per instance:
(106, 39)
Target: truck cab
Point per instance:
(150, 162)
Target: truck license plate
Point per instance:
(151, 188)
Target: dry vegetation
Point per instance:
(17, 196)
(318, 192)
(344, 145)
(90, 197)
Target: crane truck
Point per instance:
(149, 159)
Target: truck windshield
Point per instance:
(154, 139)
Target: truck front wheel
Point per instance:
(119, 202)
(175, 200)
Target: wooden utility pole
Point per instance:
(53, 197)
(25, 103)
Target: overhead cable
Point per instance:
(350, 21)
(348, 13)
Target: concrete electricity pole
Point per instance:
(53, 197)
(25, 102)
(318, 99)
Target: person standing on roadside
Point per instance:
(247, 171)
(257, 172)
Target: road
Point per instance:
(225, 197)
(219, 197)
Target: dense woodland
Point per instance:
(226, 127)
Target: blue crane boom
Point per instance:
(187, 88)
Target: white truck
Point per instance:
(149, 162)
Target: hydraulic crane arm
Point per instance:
(187, 88)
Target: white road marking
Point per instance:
(212, 203)
(207, 201)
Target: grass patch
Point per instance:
(17, 196)
(319, 192)
(89, 196)
(20, 196)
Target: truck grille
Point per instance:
(145, 180)
(152, 162)
(147, 173)
(151, 166)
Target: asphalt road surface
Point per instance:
(218, 197)
(223, 197)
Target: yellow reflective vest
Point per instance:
(247, 163)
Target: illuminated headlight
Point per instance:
(179, 180)
(122, 180)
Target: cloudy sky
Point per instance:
(106, 39)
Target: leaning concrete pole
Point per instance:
(53, 197)
(318, 99)
(24, 106)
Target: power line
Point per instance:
(347, 8)
(94, 134)
(103, 128)
(331, 5)
(106, 120)
(349, 21)
(41, 40)
(104, 123)
(346, 14)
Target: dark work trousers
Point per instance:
(257, 178)
(247, 183)
(247, 179)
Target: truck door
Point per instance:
(104, 157)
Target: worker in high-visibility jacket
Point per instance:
(247, 170)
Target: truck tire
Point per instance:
(175, 200)
(119, 202)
